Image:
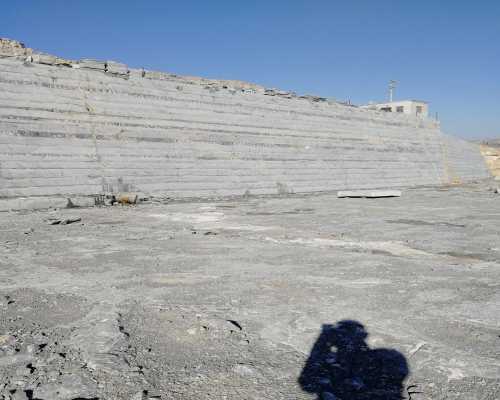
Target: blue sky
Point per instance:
(446, 52)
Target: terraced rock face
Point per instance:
(87, 127)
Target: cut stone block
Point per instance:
(157, 75)
(81, 201)
(116, 68)
(369, 193)
(92, 64)
(127, 198)
(42, 58)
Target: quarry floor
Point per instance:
(225, 300)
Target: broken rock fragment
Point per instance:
(64, 221)
(128, 198)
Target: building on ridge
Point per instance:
(411, 107)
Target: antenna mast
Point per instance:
(392, 86)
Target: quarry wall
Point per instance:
(83, 128)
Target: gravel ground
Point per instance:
(295, 297)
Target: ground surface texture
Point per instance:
(264, 298)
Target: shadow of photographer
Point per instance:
(341, 366)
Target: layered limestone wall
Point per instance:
(83, 128)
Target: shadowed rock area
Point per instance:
(353, 370)
(289, 297)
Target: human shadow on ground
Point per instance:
(341, 366)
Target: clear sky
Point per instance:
(444, 51)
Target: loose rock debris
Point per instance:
(64, 221)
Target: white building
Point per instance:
(410, 107)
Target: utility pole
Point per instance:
(392, 86)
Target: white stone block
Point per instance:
(113, 67)
(42, 58)
(369, 193)
(81, 201)
(92, 64)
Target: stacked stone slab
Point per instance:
(80, 129)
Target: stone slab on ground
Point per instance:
(369, 193)
(81, 201)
